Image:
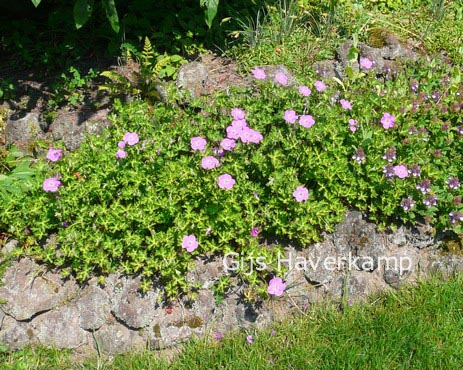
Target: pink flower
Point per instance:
(304, 90)
(290, 116)
(51, 184)
(401, 171)
(198, 143)
(259, 73)
(239, 123)
(301, 194)
(281, 78)
(210, 162)
(54, 154)
(346, 104)
(254, 231)
(225, 181)
(131, 138)
(365, 63)
(320, 86)
(233, 132)
(218, 335)
(121, 144)
(387, 120)
(189, 243)
(238, 113)
(353, 125)
(306, 121)
(276, 287)
(121, 153)
(228, 144)
(249, 339)
(248, 135)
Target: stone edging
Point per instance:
(39, 307)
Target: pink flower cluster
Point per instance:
(130, 138)
(239, 130)
(52, 184)
(306, 120)
(353, 125)
(346, 104)
(280, 77)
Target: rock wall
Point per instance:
(38, 307)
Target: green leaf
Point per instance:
(82, 12)
(353, 54)
(350, 72)
(211, 10)
(111, 14)
(36, 2)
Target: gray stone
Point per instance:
(399, 237)
(374, 54)
(59, 328)
(71, 127)
(351, 286)
(446, 265)
(29, 289)
(94, 307)
(421, 236)
(133, 309)
(345, 231)
(175, 334)
(320, 264)
(115, 338)
(359, 242)
(205, 273)
(329, 69)
(14, 334)
(25, 130)
(2, 316)
(10, 246)
(175, 324)
(384, 59)
(400, 266)
(193, 77)
(342, 55)
(204, 306)
(272, 70)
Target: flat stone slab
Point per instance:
(116, 338)
(134, 309)
(59, 328)
(28, 290)
(94, 307)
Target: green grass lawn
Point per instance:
(417, 327)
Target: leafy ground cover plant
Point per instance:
(16, 172)
(163, 186)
